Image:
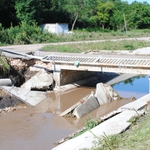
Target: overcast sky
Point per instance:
(130, 1)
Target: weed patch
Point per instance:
(4, 65)
(136, 137)
(91, 46)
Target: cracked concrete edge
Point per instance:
(26, 96)
(109, 127)
(9, 91)
(137, 104)
(115, 125)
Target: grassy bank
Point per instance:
(136, 138)
(108, 45)
(83, 35)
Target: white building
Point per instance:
(57, 28)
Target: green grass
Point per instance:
(89, 124)
(108, 45)
(4, 66)
(82, 35)
(96, 46)
(136, 138)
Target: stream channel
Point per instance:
(38, 128)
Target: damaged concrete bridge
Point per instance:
(69, 68)
(84, 63)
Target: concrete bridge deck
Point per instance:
(62, 63)
(99, 63)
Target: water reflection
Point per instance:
(137, 86)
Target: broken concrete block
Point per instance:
(28, 97)
(101, 94)
(7, 99)
(105, 93)
(89, 105)
(41, 81)
(113, 94)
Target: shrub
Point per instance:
(4, 65)
(4, 37)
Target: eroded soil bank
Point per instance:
(24, 69)
(21, 71)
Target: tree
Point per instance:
(103, 13)
(25, 10)
(77, 9)
(7, 13)
(40, 11)
(121, 11)
(140, 16)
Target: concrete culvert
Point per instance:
(6, 82)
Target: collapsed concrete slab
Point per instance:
(105, 93)
(87, 140)
(7, 99)
(41, 81)
(89, 105)
(28, 97)
(117, 123)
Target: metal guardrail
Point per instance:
(19, 54)
(128, 62)
(125, 62)
(60, 58)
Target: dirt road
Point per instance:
(36, 47)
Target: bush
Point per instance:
(4, 65)
(129, 47)
(4, 37)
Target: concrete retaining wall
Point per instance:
(71, 76)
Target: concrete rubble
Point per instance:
(28, 97)
(41, 81)
(104, 94)
(7, 100)
(114, 125)
(89, 105)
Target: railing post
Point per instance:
(56, 74)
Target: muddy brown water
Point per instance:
(38, 128)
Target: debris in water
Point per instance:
(104, 94)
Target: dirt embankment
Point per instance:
(21, 71)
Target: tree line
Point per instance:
(105, 14)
